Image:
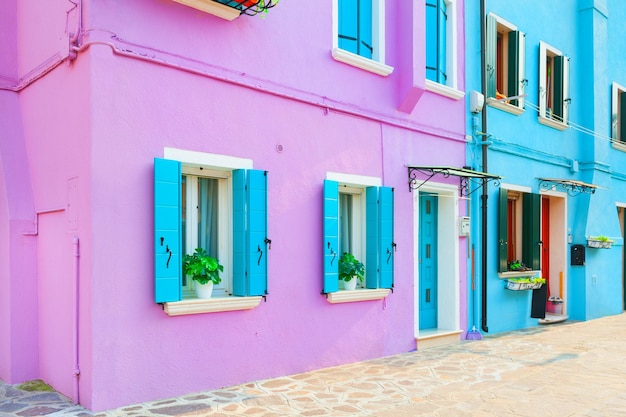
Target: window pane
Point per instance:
(345, 223)
(208, 215)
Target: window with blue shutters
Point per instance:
(441, 58)
(505, 60)
(223, 211)
(359, 34)
(436, 40)
(358, 220)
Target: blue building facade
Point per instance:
(545, 88)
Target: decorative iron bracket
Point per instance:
(249, 7)
(467, 178)
(572, 187)
(466, 183)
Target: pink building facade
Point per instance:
(94, 95)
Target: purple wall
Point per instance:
(241, 88)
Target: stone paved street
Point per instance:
(569, 369)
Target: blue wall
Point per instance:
(521, 150)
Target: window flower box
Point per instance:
(523, 284)
(599, 242)
(230, 9)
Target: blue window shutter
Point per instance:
(365, 28)
(348, 29)
(441, 46)
(167, 231)
(431, 40)
(257, 232)
(239, 233)
(331, 236)
(372, 239)
(490, 56)
(386, 237)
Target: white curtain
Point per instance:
(207, 215)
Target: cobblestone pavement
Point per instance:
(569, 369)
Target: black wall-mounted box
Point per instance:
(578, 255)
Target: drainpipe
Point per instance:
(76, 322)
(483, 72)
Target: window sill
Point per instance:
(210, 305)
(212, 7)
(620, 146)
(504, 106)
(444, 90)
(360, 62)
(552, 123)
(356, 295)
(517, 274)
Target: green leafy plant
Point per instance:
(517, 266)
(529, 280)
(350, 267)
(600, 238)
(202, 267)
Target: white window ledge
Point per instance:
(210, 305)
(212, 7)
(358, 61)
(356, 295)
(552, 123)
(517, 274)
(504, 106)
(619, 145)
(444, 90)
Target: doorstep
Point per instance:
(437, 337)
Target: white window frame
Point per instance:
(450, 88)
(225, 227)
(504, 26)
(209, 161)
(355, 183)
(377, 63)
(617, 116)
(544, 119)
(358, 222)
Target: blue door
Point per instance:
(428, 261)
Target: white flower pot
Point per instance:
(204, 290)
(350, 285)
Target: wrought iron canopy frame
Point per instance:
(248, 7)
(467, 177)
(572, 187)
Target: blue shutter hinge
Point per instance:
(394, 246)
(268, 242)
(264, 298)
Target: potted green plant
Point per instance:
(350, 269)
(204, 271)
